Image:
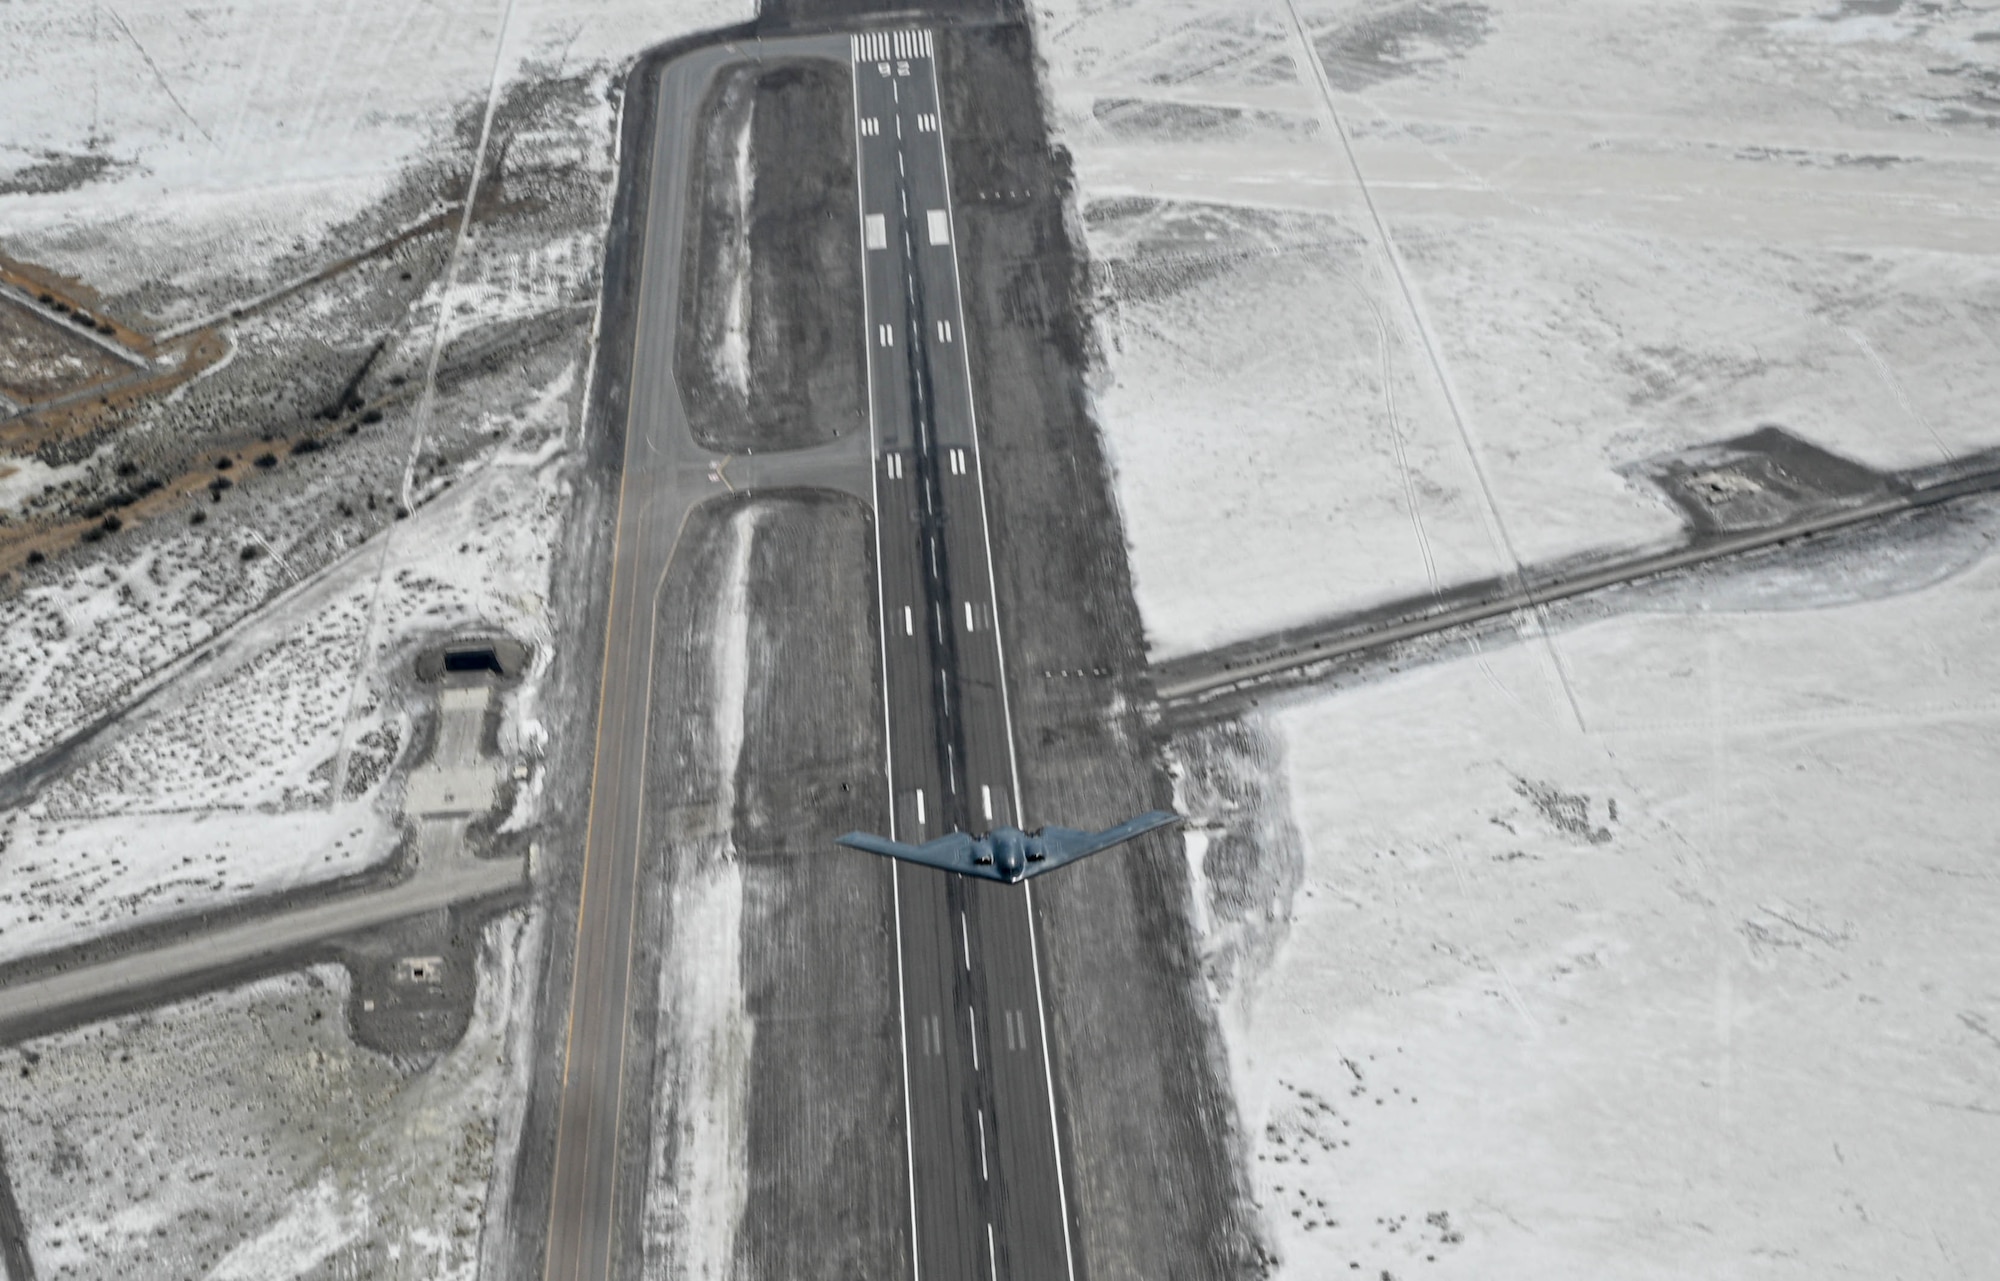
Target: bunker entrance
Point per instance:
(479, 658)
(474, 659)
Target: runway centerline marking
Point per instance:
(935, 427)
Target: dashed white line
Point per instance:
(909, 622)
(965, 938)
(986, 799)
(982, 1145)
(975, 1036)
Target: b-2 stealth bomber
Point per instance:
(1008, 854)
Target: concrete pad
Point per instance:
(468, 789)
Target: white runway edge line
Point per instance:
(888, 752)
(1006, 701)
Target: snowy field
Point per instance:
(1662, 947)
(218, 147)
(221, 790)
(241, 1136)
(246, 147)
(1707, 991)
(251, 144)
(1698, 219)
(178, 163)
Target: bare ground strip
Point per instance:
(768, 353)
(803, 1044)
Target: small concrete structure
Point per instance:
(420, 969)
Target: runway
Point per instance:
(985, 1179)
(988, 1199)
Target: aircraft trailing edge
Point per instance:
(1008, 854)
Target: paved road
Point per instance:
(986, 1171)
(665, 475)
(1190, 680)
(142, 975)
(443, 796)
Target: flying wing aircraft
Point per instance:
(1008, 854)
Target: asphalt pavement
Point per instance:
(151, 975)
(986, 1171)
(985, 1176)
(665, 475)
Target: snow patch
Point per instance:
(732, 354)
(705, 1039)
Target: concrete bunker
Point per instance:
(1762, 480)
(474, 658)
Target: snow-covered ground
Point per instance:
(241, 149)
(1709, 990)
(698, 1166)
(1407, 331)
(220, 789)
(243, 1135)
(234, 137)
(1662, 947)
